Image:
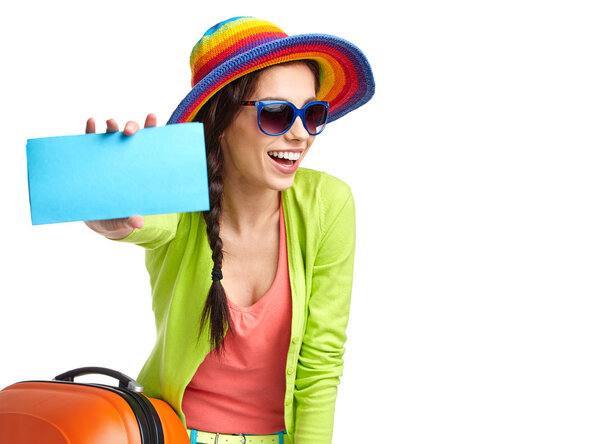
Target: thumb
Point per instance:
(136, 222)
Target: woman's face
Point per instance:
(248, 152)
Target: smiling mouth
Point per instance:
(286, 158)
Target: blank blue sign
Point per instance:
(158, 170)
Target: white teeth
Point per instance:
(285, 155)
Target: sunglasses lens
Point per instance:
(276, 118)
(316, 118)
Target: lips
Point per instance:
(285, 161)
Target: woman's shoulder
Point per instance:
(317, 196)
(320, 184)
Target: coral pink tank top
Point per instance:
(243, 390)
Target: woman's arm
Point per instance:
(147, 231)
(156, 231)
(320, 361)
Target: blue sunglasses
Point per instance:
(275, 117)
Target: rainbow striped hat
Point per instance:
(240, 45)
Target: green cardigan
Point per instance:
(320, 229)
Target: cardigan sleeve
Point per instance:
(320, 361)
(158, 230)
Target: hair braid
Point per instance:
(216, 302)
(216, 115)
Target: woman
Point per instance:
(251, 298)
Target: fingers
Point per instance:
(90, 126)
(150, 121)
(131, 128)
(111, 126)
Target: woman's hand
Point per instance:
(118, 228)
(111, 125)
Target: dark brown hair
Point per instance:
(216, 115)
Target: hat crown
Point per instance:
(226, 40)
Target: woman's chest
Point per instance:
(250, 266)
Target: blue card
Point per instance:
(158, 170)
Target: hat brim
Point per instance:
(346, 78)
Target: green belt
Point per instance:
(199, 437)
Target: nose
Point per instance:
(297, 130)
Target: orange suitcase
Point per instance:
(65, 412)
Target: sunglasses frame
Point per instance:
(260, 104)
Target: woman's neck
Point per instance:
(245, 209)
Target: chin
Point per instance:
(282, 184)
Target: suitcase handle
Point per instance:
(124, 380)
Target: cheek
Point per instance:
(243, 145)
(242, 131)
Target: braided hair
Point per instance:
(216, 115)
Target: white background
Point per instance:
(475, 170)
